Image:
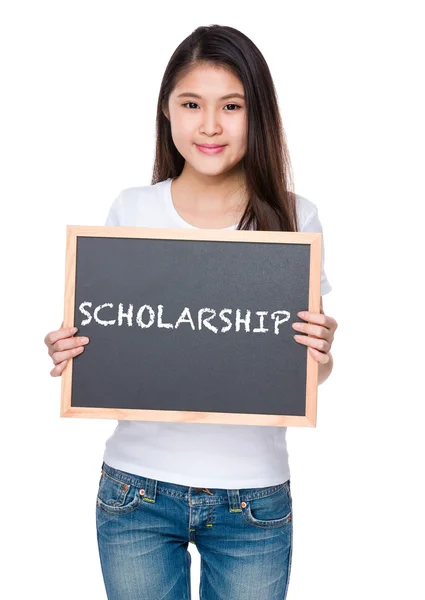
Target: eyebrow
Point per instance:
(192, 95)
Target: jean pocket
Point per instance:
(272, 511)
(116, 497)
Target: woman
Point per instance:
(222, 163)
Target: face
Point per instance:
(209, 119)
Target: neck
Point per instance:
(212, 193)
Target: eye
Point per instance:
(186, 103)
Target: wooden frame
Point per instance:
(315, 241)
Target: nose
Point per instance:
(211, 124)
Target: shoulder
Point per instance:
(308, 214)
(141, 194)
(134, 202)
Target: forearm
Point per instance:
(325, 369)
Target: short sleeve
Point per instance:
(313, 224)
(113, 215)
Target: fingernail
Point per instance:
(73, 329)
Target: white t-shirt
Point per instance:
(197, 454)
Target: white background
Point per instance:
(79, 89)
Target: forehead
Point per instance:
(208, 80)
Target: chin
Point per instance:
(211, 171)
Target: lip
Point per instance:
(210, 148)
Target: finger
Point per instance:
(58, 357)
(68, 343)
(321, 345)
(58, 369)
(319, 356)
(318, 318)
(53, 336)
(315, 330)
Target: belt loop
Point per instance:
(234, 501)
(150, 489)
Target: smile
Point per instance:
(207, 150)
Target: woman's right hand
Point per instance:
(62, 345)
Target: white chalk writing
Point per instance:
(147, 316)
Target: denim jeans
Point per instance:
(144, 526)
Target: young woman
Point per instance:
(221, 163)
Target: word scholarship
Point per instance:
(148, 317)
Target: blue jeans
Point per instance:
(144, 526)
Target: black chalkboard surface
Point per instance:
(191, 325)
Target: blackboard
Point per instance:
(191, 325)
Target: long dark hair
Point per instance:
(271, 202)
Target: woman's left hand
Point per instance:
(320, 331)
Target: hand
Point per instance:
(319, 336)
(62, 345)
